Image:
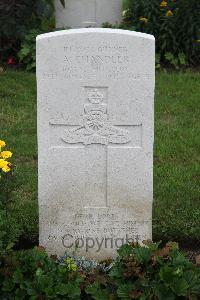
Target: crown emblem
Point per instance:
(95, 96)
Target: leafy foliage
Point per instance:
(32, 275)
(27, 53)
(142, 273)
(155, 273)
(17, 19)
(175, 25)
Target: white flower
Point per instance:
(125, 12)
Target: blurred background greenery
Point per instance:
(174, 23)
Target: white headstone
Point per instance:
(87, 13)
(95, 139)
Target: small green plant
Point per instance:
(157, 61)
(176, 61)
(27, 54)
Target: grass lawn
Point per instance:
(176, 212)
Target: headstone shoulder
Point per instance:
(94, 30)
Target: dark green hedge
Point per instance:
(17, 17)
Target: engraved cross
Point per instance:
(98, 135)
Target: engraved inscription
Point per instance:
(98, 59)
(106, 226)
(101, 48)
(87, 62)
(96, 127)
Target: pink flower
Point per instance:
(10, 61)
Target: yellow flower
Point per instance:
(197, 41)
(143, 19)
(163, 4)
(2, 143)
(3, 163)
(6, 169)
(6, 154)
(169, 13)
(71, 265)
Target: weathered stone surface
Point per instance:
(85, 13)
(95, 139)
